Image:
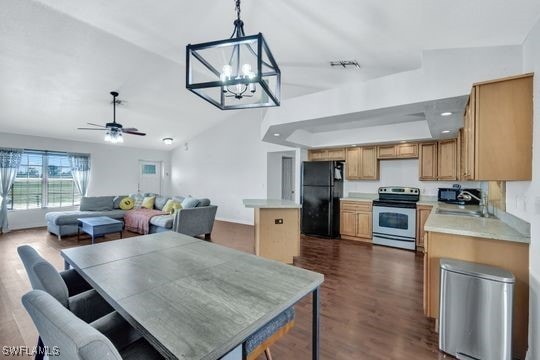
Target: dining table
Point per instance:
(192, 299)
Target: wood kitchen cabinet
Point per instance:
(428, 161)
(447, 160)
(386, 151)
(398, 151)
(409, 150)
(439, 160)
(356, 220)
(497, 133)
(326, 154)
(422, 213)
(362, 163)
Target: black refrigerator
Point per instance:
(322, 187)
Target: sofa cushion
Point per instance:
(116, 201)
(96, 203)
(148, 202)
(203, 202)
(171, 205)
(164, 221)
(178, 198)
(160, 202)
(138, 198)
(190, 203)
(127, 203)
(70, 217)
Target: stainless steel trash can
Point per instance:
(475, 314)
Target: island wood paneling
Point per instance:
(279, 242)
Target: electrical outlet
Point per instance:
(279, 221)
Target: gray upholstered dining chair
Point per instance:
(68, 287)
(68, 337)
(261, 340)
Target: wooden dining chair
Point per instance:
(67, 337)
(261, 341)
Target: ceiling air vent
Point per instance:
(345, 63)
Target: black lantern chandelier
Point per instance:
(236, 73)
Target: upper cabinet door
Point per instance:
(369, 167)
(353, 156)
(447, 160)
(428, 161)
(386, 151)
(503, 129)
(407, 150)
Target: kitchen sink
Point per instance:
(470, 213)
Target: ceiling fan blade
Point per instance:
(96, 125)
(130, 129)
(92, 129)
(134, 133)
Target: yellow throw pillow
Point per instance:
(127, 203)
(177, 207)
(170, 205)
(148, 202)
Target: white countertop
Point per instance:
(271, 204)
(488, 228)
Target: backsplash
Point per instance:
(403, 173)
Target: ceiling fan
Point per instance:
(113, 129)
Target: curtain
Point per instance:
(80, 170)
(10, 159)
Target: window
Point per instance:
(149, 169)
(43, 180)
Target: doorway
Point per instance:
(281, 175)
(149, 177)
(287, 178)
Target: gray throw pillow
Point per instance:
(190, 203)
(203, 202)
(116, 201)
(96, 203)
(178, 198)
(160, 202)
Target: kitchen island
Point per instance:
(277, 228)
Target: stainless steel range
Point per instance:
(394, 217)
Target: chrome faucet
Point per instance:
(467, 196)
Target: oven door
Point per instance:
(394, 222)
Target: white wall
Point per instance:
(226, 163)
(114, 170)
(274, 172)
(523, 198)
(401, 173)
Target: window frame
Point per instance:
(45, 182)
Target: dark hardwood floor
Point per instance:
(371, 298)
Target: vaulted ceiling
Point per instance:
(60, 58)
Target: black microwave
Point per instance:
(450, 195)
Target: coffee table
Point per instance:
(99, 226)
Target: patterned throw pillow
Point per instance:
(127, 203)
(138, 202)
(148, 202)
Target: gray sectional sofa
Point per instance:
(198, 220)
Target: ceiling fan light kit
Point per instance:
(114, 132)
(235, 73)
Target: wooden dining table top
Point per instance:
(191, 299)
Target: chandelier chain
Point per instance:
(237, 8)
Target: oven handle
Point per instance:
(396, 237)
